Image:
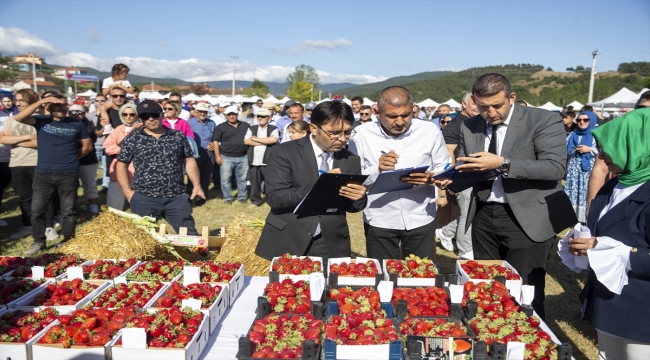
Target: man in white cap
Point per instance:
(309, 108)
(231, 154)
(220, 117)
(259, 139)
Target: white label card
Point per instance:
(385, 289)
(527, 294)
(191, 275)
(193, 304)
(134, 338)
(75, 272)
(120, 280)
(38, 272)
(456, 293)
(515, 350)
(316, 285)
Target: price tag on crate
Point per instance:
(134, 338)
(193, 304)
(38, 272)
(191, 275)
(75, 272)
(120, 280)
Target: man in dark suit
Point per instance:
(516, 215)
(292, 169)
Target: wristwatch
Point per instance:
(505, 166)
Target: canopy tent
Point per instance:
(453, 104)
(644, 90)
(283, 100)
(426, 103)
(272, 99)
(550, 107)
(347, 101)
(253, 99)
(88, 93)
(622, 98)
(151, 95)
(20, 85)
(191, 97)
(326, 99)
(576, 106)
(239, 99)
(367, 101)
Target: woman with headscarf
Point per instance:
(129, 117)
(8, 109)
(617, 290)
(581, 154)
(8, 106)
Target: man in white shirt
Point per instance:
(220, 117)
(258, 146)
(402, 218)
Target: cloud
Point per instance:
(163, 44)
(311, 45)
(17, 41)
(93, 36)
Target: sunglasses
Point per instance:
(261, 116)
(118, 96)
(129, 114)
(100, 101)
(145, 117)
(582, 120)
(169, 109)
(76, 112)
(364, 114)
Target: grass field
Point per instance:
(562, 285)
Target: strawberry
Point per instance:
(99, 339)
(412, 267)
(176, 319)
(89, 324)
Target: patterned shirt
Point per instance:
(158, 162)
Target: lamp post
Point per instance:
(31, 55)
(593, 73)
(234, 71)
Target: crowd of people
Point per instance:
(549, 168)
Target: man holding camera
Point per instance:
(159, 155)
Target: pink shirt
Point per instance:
(180, 125)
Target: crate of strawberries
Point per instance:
(412, 271)
(428, 302)
(289, 297)
(107, 269)
(224, 273)
(289, 336)
(13, 289)
(295, 267)
(489, 270)
(157, 270)
(81, 334)
(116, 296)
(63, 295)
(54, 265)
(360, 271)
(437, 338)
(171, 334)
(213, 299)
(20, 329)
(9, 263)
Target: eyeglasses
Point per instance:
(169, 109)
(129, 115)
(231, 114)
(76, 112)
(364, 114)
(201, 112)
(261, 116)
(100, 101)
(145, 117)
(335, 135)
(118, 96)
(582, 120)
(444, 122)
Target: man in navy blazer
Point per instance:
(292, 169)
(516, 215)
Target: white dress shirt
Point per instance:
(421, 144)
(498, 195)
(258, 150)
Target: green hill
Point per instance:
(374, 88)
(133, 79)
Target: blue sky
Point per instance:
(346, 41)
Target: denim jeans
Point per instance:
(99, 151)
(43, 187)
(239, 167)
(177, 210)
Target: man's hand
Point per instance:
(104, 121)
(353, 192)
(219, 160)
(581, 245)
(441, 202)
(52, 100)
(128, 194)
(387, 161)
(210, 147)
(417, 179)
(484, 162)
(334, 171)
(197, 192)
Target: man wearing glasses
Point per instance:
(400, 219)
(365, 116)
(203, 130)
(158, 155)
(258, 146)
(292, 169)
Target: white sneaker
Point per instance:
(51, 234)
(58, 220)
(446, 243)
(93, 208)
(23, 232)
(3, 223)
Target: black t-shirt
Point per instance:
(231, 139)
(91, 157)
(114, 115)
(451, 132)
(58, 144)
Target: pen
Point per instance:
(383, 152)
(322, 172)
(447, 166)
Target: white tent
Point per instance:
(88, 93)
(253, 99)
(644, 90)
(576, 105)
(426, 103)
(283, 100)
(151, 95)
(367, 101)
(191, 97)
(238, 98)
(20, 85)
(347, 101)
(272, 99)
(453, 103)
(326, 99)
(550, 107)
(622, 98)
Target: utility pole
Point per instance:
(234, 71)
(320, 92)
(311, 93)
(593, 73)
(34, 71)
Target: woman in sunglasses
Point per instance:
(129, 117)
(581, 154)
(89, 163)
(171, 121)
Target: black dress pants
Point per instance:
(385, 243)
(257, 176)
(496, 235)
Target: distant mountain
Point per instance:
(276, 88)
(374, 88)
(133, 79)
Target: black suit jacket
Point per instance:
(291, 171)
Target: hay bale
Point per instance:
(110, 236)
(243, 234)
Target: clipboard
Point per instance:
(324, 198)
(464, 180)
(388, 181)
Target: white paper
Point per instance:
(75, 272)
(120, 280)
(316, 286)
(193, 304)
(38, 272)
(582, 261)
(385, 289)
(515, 350)
(527, 294)
(191, 275)
(571, 261)
(456, 293)
(134, 338)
